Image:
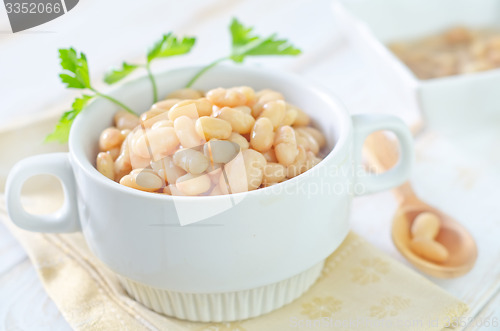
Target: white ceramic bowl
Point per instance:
(451, 104)
(239, 255)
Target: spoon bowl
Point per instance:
(382, 153)
(458, 241)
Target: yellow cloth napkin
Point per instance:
(360, 287)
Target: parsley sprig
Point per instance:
(61, 132)
(169, 45)
(76, 72)
(76, 75)
(245, 43)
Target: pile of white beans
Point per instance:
(196, 144)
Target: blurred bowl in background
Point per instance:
(451, 104)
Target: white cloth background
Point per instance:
(458, 172)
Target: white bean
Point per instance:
(126, 120)
(274, 173)
(114, 153)
(165, 104)
(290, 117)
(191, 108)
(110, 138)
(241, 122)
(191, 160)
(123, 164)
(239, 139)
(144, 181)
(185, 93)
(156, 143)
(212, 128)
(315, 133)
(270, 155)
(285, 145)
(307, 141)
(190, 184)
(299, 165)
(152, 116)
(429, 249)
(149, 180)
(302, 118)
(263, 97)
(220, 151)
(262, 135)
(185, 130)
(311, 160)
(167, 169)
(105, 165)
(425, 225)
(275, 111)
(254, 166)
(234, 176)
(229, 97)
(163, 124)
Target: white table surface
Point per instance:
(452, 172)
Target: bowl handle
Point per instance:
(57, 164)
(364, 125)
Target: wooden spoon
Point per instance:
(382, 153)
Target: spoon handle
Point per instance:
(382, 154)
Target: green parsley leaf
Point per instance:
(240, 34)
(245, 44)
(76, 71)
(71, 82)
(115, 75)
(169, 45)
(61, 131)
(68, 59)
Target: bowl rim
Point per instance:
(79, 158)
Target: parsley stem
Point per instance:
(203, 70)
(153, 82)
(114, 101)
